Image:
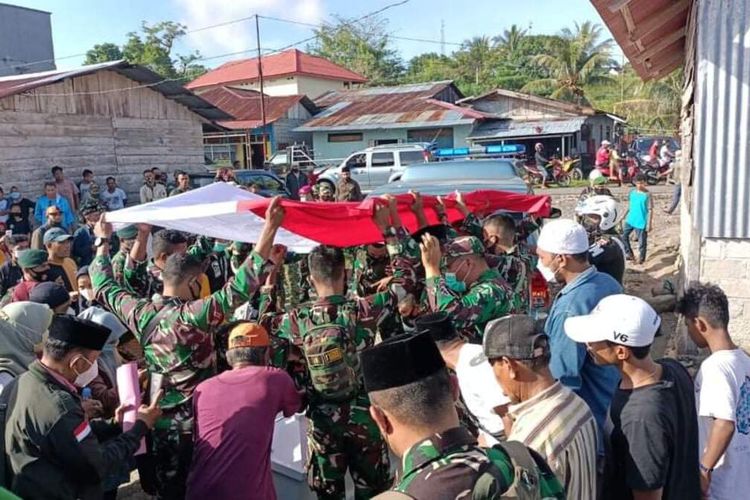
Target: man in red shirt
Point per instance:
(235, 413)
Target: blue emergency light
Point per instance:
(505, 149)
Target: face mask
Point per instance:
(37, 276)
(220, 247)
(17, 216)
(85, 378)
(87, 293)
(454, 284)
(548, 273)
(15, 196)
(589, 225)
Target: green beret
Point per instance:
(31, 258)
(128, 233)
(463, 246)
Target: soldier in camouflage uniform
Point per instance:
(370, 268)
(126, 236)
(175, 334)
(508, 258)
(143, 277)
(470, 291)
(341, 436)
(411, 393)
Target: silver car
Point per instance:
(443, 178)
(373, 167)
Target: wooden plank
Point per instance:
(615, 5)
(144, 160)
(157, 150)
(37, 141)
(8, 129)
(661, 45)
(659, 19)
(129, 122)
(54, 119)
(18, 153)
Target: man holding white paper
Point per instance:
(53, 449)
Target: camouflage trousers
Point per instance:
(173, 452)
(344, 437)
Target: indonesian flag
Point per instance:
(82, 431)
(224, 211)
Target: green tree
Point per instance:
(476, 64)
(152, 47)
(577, 59)
(103, 52)
(363, 46)
(511, 39)
(429, 67)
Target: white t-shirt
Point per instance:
(115, 200)
(480, 389)
(725, 376)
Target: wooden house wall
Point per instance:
(118, 128)
(519, 109)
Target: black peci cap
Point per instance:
(78, 332)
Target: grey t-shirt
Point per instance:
(652, 438)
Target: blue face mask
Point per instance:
(15, 195)
(220, 247)
(454, 283)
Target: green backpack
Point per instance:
(332, 360)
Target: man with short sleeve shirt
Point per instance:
(651, 430)
(722, 394)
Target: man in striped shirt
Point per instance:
(544, 414)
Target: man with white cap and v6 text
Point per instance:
(651, 429)
(563, 250)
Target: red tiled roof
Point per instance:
(244, 105)
(413, 105)
(289, 62)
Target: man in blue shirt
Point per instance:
(52, 198)
(563, 258)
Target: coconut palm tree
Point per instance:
(511, 39)
(578, 58)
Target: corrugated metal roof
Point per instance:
(650, 32)
(403, 106)
(503, 129)
(11, 85)
(286, 63)
(244, 106)
(721, 144)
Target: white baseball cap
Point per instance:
(563, 237)
(621, 319)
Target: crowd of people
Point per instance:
(426, 346)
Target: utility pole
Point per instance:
(262, 95)
(442, 37)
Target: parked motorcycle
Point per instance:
(629, 168)
(555, 170)
(572, 167)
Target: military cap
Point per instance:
(32, 258)
(517, 336)
(439, 231)
(438, 325)
(399, 361)
(90, 207)
(78, 332)
(56, 235)
(128, 233)
(50, 293)
(463, 246)
(94, 189)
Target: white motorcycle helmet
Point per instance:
(597, 178)
(604, 206)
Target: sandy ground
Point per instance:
(639, 280)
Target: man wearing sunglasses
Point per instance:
(51, 198)
(54, 218)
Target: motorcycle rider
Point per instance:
(541, 163)
(602, 157)
(598, 214)
(665, 155)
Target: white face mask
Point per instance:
(85, 378)
(87, 293)
(548, 273)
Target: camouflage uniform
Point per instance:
(177, 344)
(448, 465)
(144, 278)
(340, 436)
(488, 298)
(515, 269)
(348, 190)
(367, 272)
(118, 267)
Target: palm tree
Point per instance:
(510, 39)
(476, 57)
(575, 60)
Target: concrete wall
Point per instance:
(324, 149)
(295, 85)
(316, 87)
(726, 262)
(25, 37)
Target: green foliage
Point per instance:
(362, 46)
(103, 52)
(574, 60)
(152, 47)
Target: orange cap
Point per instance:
(248, 335)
